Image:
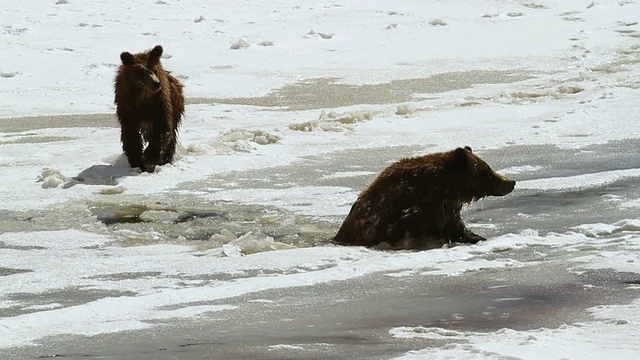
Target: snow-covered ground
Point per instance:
(360, 76)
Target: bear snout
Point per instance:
(505, 187)
(511, 185)
(154, 83)
(155, 88)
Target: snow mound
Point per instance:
(437, 22)
(52, 178)
(8, 74)
(257, 136)
(322, 35)
(595, 230)
(405, 109)
(332, 121)
(237, 140)
(242, 43)
(246, 244)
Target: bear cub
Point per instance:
(415, 203)
(149, 106)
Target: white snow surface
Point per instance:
(60, 58)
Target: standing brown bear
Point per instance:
(416, 202)
(149, 105)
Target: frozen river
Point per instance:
(292, 109)
(522, 288)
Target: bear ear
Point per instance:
(127, 58)
(468, 148)
(461, 156)
(156, 52)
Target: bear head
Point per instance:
(144, 69)
(474, 179)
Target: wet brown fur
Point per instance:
(416, 202)
(149, 106)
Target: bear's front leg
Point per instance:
(470, 237)
(132, 146)
(157, 139)
(152, 155)
(456, 232)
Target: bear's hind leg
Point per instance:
(169, 150)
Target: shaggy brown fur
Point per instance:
(149, 105)
(416, 202)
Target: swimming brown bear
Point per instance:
(416, 202)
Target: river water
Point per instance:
(540, 285)
(340, 320)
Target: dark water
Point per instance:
(543, 210)
(351, 319)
